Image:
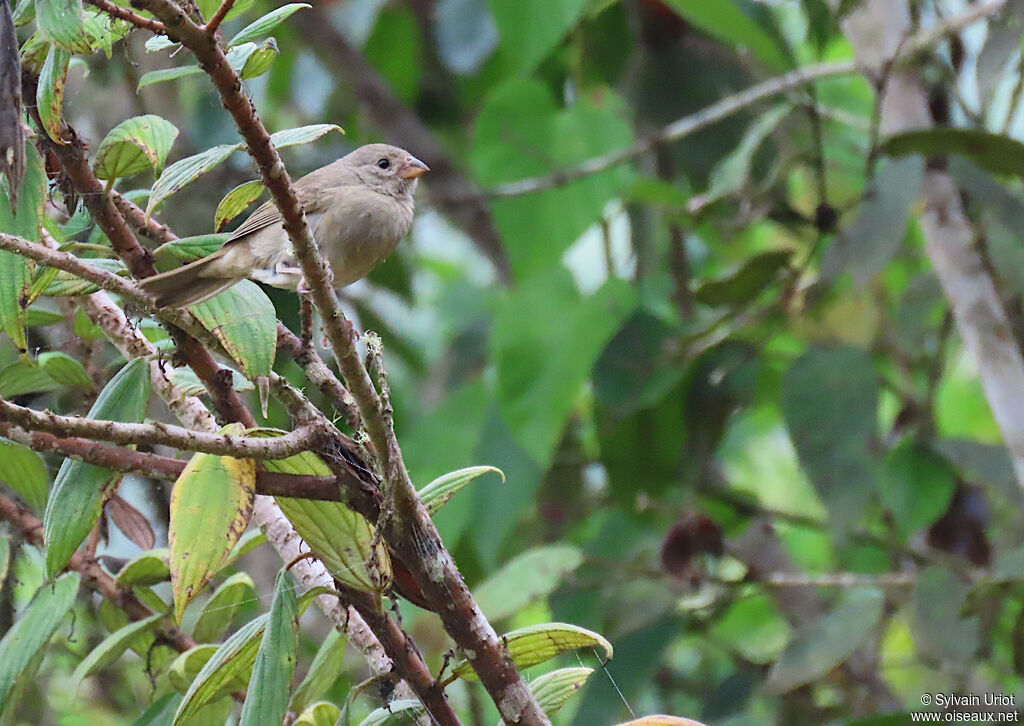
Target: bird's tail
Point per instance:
(191, 283)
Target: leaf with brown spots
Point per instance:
(210, 508)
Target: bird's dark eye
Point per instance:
(384, 164)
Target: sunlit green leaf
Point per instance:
(236, 201)
(302, 134)
(184, 172)
(135, 145)
(267, 23)
(244, 320)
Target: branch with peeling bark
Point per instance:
(410, 531)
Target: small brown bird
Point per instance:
(358, 208)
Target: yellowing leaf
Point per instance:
(50, 91)
(210, 508)
(236, 201)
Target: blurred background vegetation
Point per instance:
(721, 379)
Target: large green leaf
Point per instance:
(50, 91)
(189, 249)
(15, 270)
(222, 607)
(65, 370)
(185, 171)
(134, 145)
(916, 485)
(747, 282)
(244, 320)
(526, 579)
(20, 378)
(552, 690)
(79, 490)
(266, 700)
(725, 21)
(822, 645)
(209, 7)
(538, 643)
(33, 628)
(146, 568)
(210, 508)
(529, 29)
(834, 441)
(111, 648)
(267, 23)
(63, 23)
(941, 630)
(997, 153)
(259, 60)
(24, 472)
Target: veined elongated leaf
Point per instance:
(146, 568)
(302, 134)
(322, 673)
(185, 171)
(339, 537)
(236, 201)
(24, 472)
(209, 7)
(189, 383)
(167, 74)
(724, 21)
(33, 52)
(552, 690)
(266, 700)
(24, 12)
(62, 22)
(437, 493)
(996, 153)
(259, 60)
(189, 249)
(220, 610)
(35, 626)
(64, 284)
(15, 270)
(111, 648)
(525, 579)
(267, 23)
(134, 145)
(538, 643)
(244, 320)
(64, 369)
(20, 377)
(210, 508)
(230, 661)
(76, 499)
(401, 712)
(50, 91)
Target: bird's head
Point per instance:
(393, 169)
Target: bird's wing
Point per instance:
(267, 215)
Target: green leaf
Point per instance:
(38, 621)
(222, 607)
(111, 648)
(64, 284)
(266, 700)
(50, 91)
(188, 382)
(940, 630)
(339, 537)
(33, 52)
(135, 145)
(62, 22)
(226, 665)
(726, 22)
(302, 134)
(190, 249)
(746, 283)
(244, 320)
(24, 472)
(167, 74)
(916, 485)
(210, 508)
(64, 369)
(820, 646)
(819, 22)
(530, 29)
(79, 490)
(733, 173)
(267, 23)
(997, 153)
(24, 13)
(146, 568)
(322, 673)
(259, 60)
(155, 43)
(834, 442)
(321, 713)
(552, 690)
(526, 579)
(538, 643)
(400, 712)
(235, 202)
(15, 270)
(37, 317)
(880, 225)
(185, 171)
(20, 378)
(437, 493)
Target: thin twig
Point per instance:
(122, 13)
(218, 17)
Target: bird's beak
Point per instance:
(413, 168)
